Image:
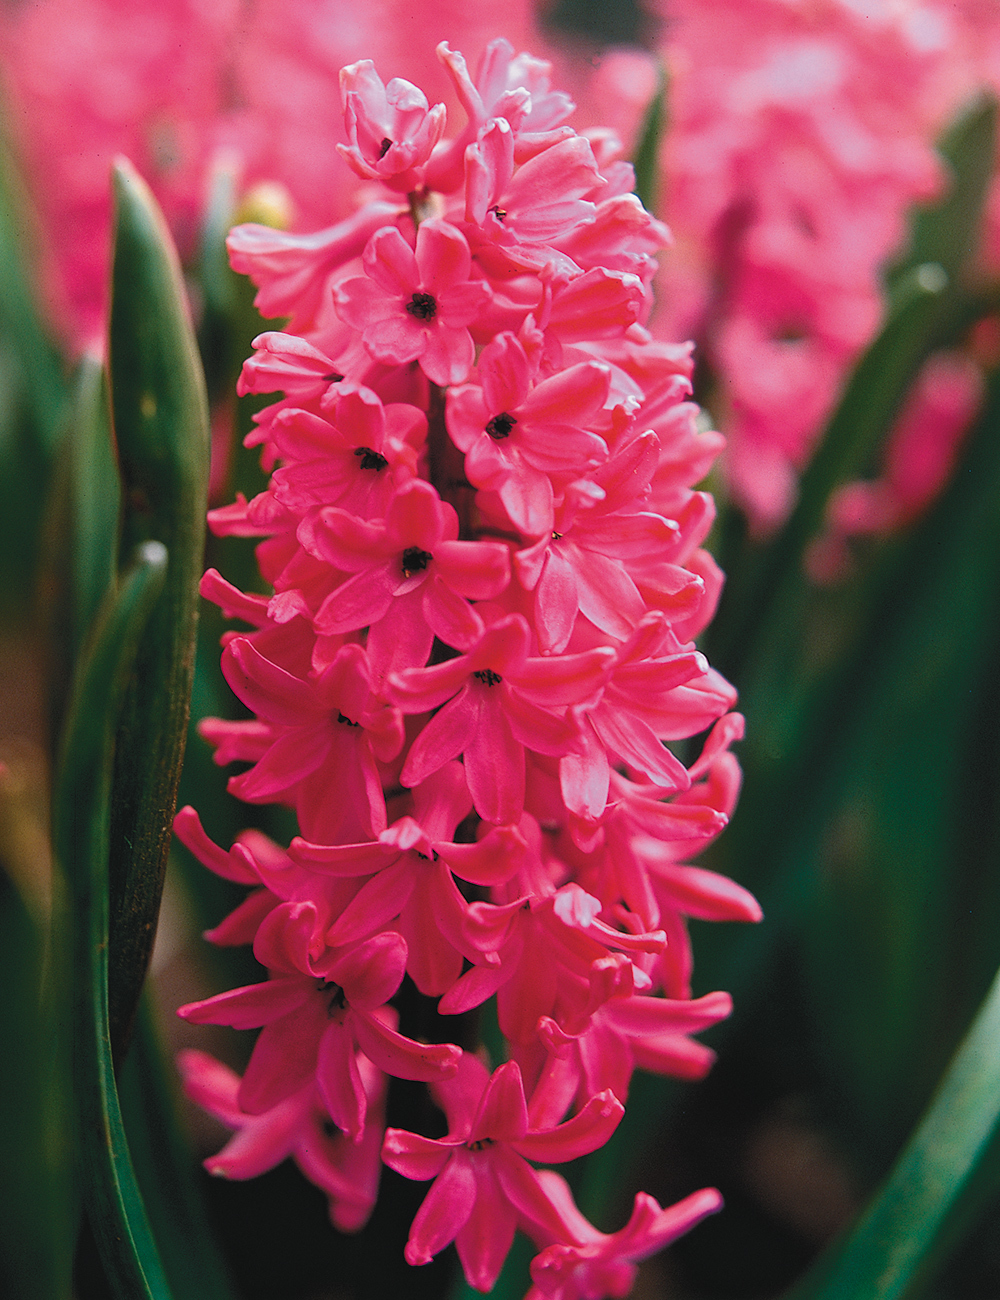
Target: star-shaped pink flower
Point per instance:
(416, 304)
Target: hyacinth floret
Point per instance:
(483, 535)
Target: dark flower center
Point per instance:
(481, 1144)
(415, 560)
(336, 1001)
(384, 147)
(423, 306)
(342, 717)
(498, 212)
(500, 426)
(488, 677)
(370, 459)
(333, 377)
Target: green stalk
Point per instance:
(81, 819)
(160, 420)
(940, 1181)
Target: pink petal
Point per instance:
(505, 375)
(478, 570)
(442, 256)
(371, 972)
(434, 962)
(248, 1007)
(211, 1084)
(492, 861)
(472, 990)
(650, 1228)
(639, 1016)
(342, 859)
(536, 728)
(446, 736)
(191, 833)
(358, 602)
(375, 905)
(268, 690)
(572, 397)
(494, 761)
(448, 354)
(418, 690)
(502, 1114)
(414, 1156)
(564, 679)
(445, 1209)
(287, 761)
(391, 263)
(585, 1132)
(584, 776)
(402, 1057)
(556, 601)
(608, 596)
(706, 894)
(340, 1081)
(261, 1145)
(453, 619)
(241, 925)
(486, 1237)
(397, 338)
(283, 1058)
(633, 740)
(525, 1191)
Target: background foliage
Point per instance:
(839, 1122)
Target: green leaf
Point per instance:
(79, 560)
(81, 820)
(647, 153)
(37, 1227)
(947, 233)
(96, 497)
(756, 617)
(165, 1169)
(219, 341)
(160, 420)
(907, 1226)
(32, 396)
(930, 306)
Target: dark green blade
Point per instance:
(647, 153)
(160, 421)
(81, 819)
(911, 1221)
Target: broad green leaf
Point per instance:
(218, 341)
(647, 153)
(756, 616)
(37, 1227)
(947, 232)
(81, 819)
(930, 305)
(907, 1226)
(37, 357)
(33, 393)
(165, 1169)
(160, 421)
(80, 545)
(96, 496)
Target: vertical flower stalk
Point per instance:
(483, 536)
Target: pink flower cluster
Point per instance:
(800, 149)
(483, 538)
(179, 86)
(800, 135)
